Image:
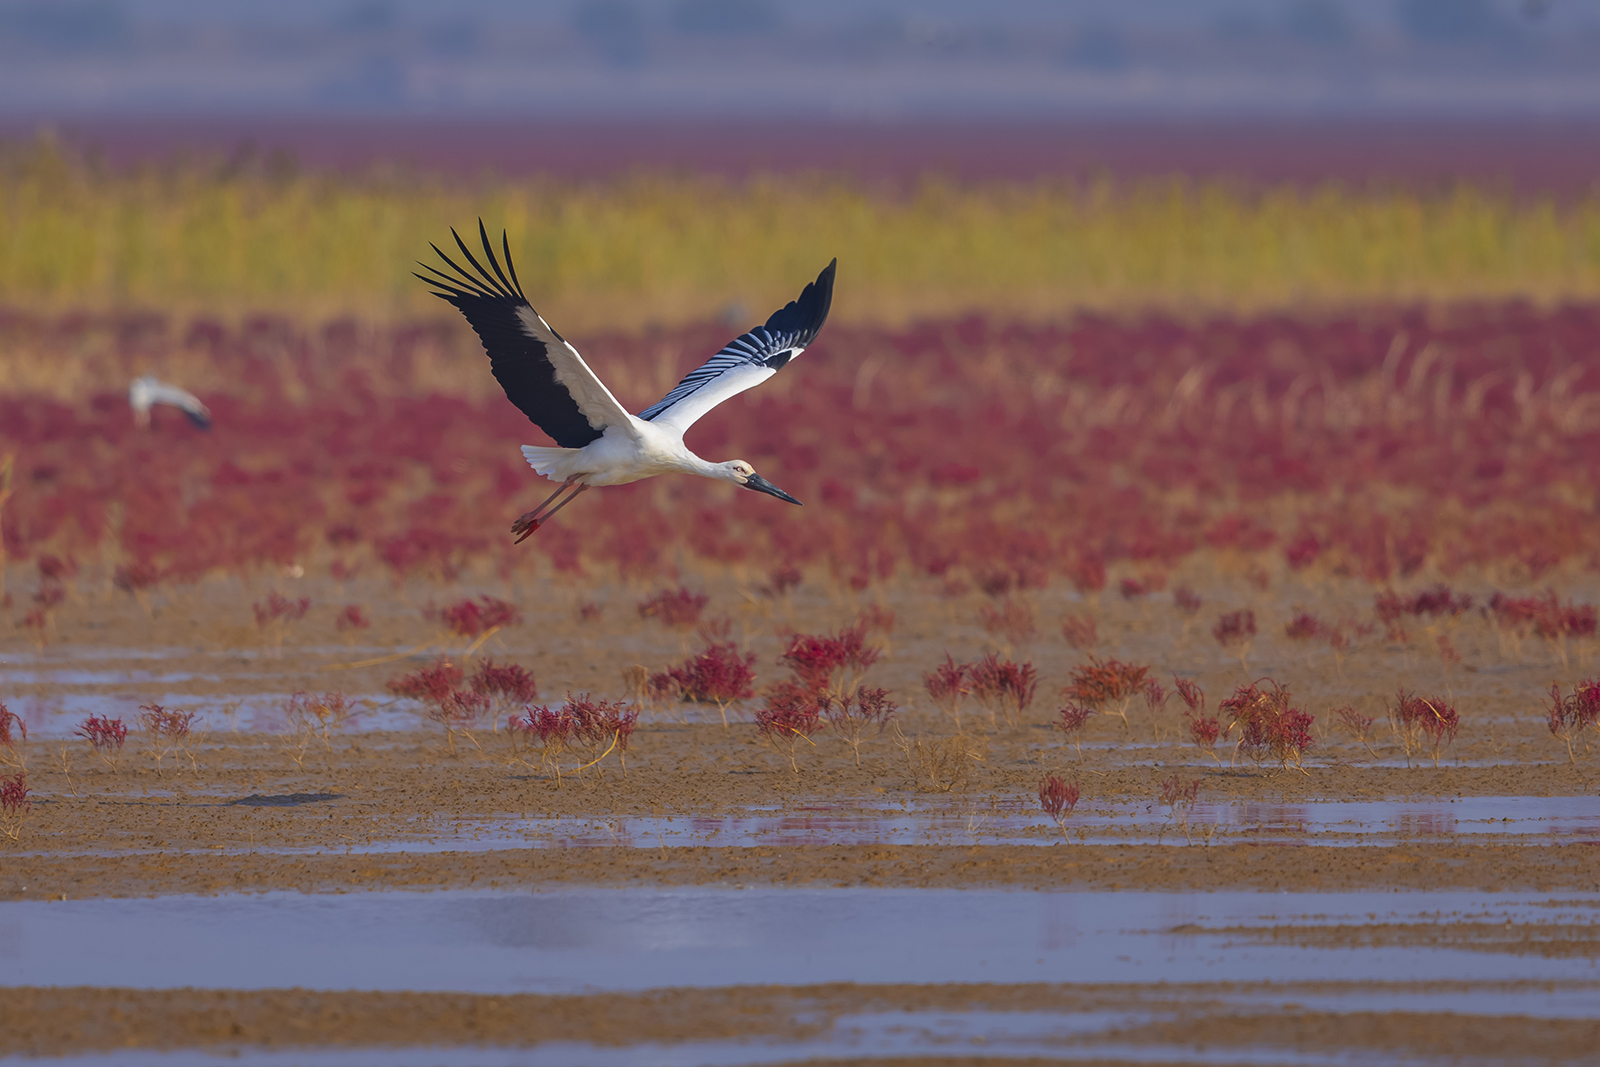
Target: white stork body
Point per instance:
(598, 441)
(146, 392)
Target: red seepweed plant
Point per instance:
(318, 715)
(168, 729)
(275, 614)
(1234, 632)
(460, 711)
(14, 805)
(1268, 723)
(1178, 797)
(948, 687)
(1304, 627)
(106, 736)
(849, 716)
(478, 620)
(831, 664)
(550, 730)
(13, 735)
(436, 687)
(1107, 685)
(1357, 725)
(1204, 730)
(1058, 798)
(782, 581)
(1012, 622)
(1155, 698)
(136, 579)
(1418, 722)
(600, 727)
(1546, 616)
(505, 684)
(1569, 716)
(1080, 631)
(792, 714)
(677, 609)
(719, 674)
(1074, 717)
(1003, 687)
(430, 683)
(351, 621)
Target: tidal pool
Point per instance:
(576, 940)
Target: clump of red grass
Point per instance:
(13, 733)
(428, 683)
(1545, 616)
(597, 726)
(1357, 725)
(600, 727)
(676, 609)
(1003, 687)
(791, 715)
(437, 687)
(14, 805)
(106, 736)
(850, 716)
(1269, 724)
(276, 613)
(1178, 797)
(1107, 685)
(319, 714)
(135, 578)
(1058, 798)
(1012, 621)
(947, 687)
(1423, 721)
(1080, 631)
(830, 663)
(168, 729)
(479, 618)
(1235, 631)
(1569, 716)
(718, 674)
(1074, 717)
(1204, 730)
(505, 684)
(782, 581)
(352, 620)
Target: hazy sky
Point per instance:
(819, 59)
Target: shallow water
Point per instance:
(1326, 823)
(583, 939)
(943, 1038)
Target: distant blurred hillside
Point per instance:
(820, 59)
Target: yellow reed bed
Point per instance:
(645, 247)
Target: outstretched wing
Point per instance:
(162, 393)
(541, 373)
(748, 360)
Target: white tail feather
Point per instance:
(550, 462)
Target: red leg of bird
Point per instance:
(536, 518)
(552, 512)
(530, 519)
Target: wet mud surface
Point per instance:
(389, 807)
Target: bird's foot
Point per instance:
(525, 526)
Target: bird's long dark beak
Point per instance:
(761, 485)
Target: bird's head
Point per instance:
(739, 472)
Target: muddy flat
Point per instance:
(379, 887)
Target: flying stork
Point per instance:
(145, 392)
(599, 442)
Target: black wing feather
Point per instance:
(521, 364)
(787, 331)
